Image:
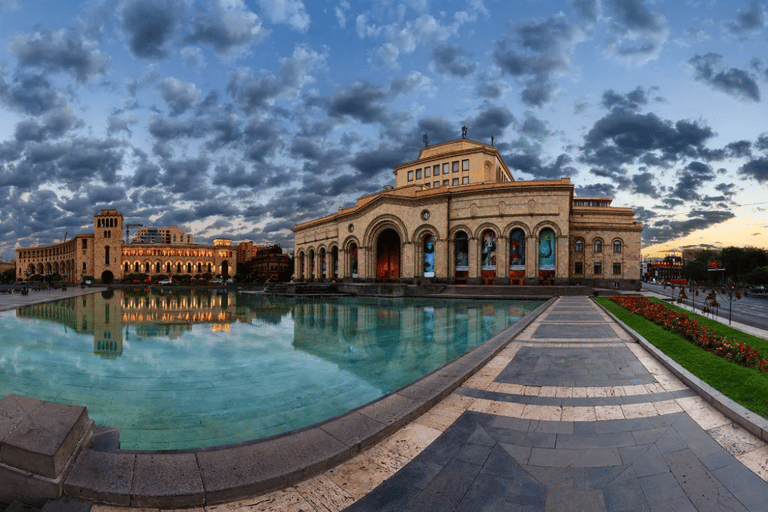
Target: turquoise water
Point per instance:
(178, 370)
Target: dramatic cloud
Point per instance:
(491, 120)
(623, 137)
(60, 51)
(756, 169)
(150, 26)
(587, 10)
(639, 34)
(749, 21)
(537, 54)
(532, 164)
(178, 95)
(666, 230)
(451, 60)
(692, 177)
(290, 12)
(596, 190)
(633, 100)
(228, 26)
(31, 94)
(736, 82)
(51, 126)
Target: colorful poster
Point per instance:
(323, 266)
(547, 250)
(429, 256)
(462, 252)
(517, 250)
(489, 251)
(354, 260)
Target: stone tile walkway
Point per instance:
(570, 416)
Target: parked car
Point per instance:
(757, 289)
(165, 281)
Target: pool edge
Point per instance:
(215, 475)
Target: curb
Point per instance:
(737, 413)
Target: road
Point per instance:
(749, 310)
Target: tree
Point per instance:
(695, 270)
(758, 276)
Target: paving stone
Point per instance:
(501, 463)
(624, 493)
(418, 473)
(473, 453)
(747, 487)
(701, 487)
(575, 458)
(482, 437)
(565, 500)
(447, 489)
(487, 494)
(391, 496)
(353, 428)
(586, 441)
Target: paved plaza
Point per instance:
(572, 415)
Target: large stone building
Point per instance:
(103, 255)
(457, 215)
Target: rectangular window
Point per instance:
(617, 269)
(455, 166)
(410, 178)
(436, 170)
(455, 181)
(427, 173)
(446, 183)
(418, 174)
(427, 185)
(465, 180)
(436, 184)
(106, 255)
(578, 268)
(446, 168)
(85, 244)
(465, 165)
(598, 267)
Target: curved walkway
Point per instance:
(573, 415)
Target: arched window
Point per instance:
(578, 245)
(312, 263)
(617, 246)
(517, 249)
(488, 250)
(547, 250)
(146, 267)
(126, 266)
(429, 256)
(157, 267)
(178, 268)
(335, 257)
(136, 267)
(168, 268)
(189, 268)
(598, 245)
(323, 263)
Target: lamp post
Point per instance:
(25, 290)
(64, 281)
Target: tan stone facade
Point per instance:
(487, 229)
(105, 257)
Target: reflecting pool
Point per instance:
(177, 369)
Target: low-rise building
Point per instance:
(104, 256)
(457, 215)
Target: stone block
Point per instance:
(102, 476)
(45, 439)
(167, 480)
(355, 430)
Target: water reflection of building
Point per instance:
(394, 333)
(152, 313)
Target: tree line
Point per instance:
(747, 265)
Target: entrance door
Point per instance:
(388, 256)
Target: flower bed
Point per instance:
(690, 329)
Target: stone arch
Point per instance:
(379, 224)
(388, 254)
(351, 247)
(460, 227)
(547, 224)
(516, 225)
(485, 226)
(619, 240)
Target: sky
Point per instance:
(241, 118)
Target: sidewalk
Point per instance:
(574, 416)
(9, 301)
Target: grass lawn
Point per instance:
(746, 386)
